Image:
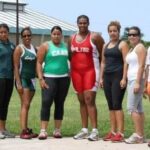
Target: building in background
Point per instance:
(39, 23)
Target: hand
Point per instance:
(136, 87)
(101, 84)
(123, 83)
(43, 84)
(145, 90)
(19, 88)
(145, 94)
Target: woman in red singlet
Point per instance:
(85, 48)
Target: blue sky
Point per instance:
(100, 12)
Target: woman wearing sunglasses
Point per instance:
(25, 71)
(135, 69)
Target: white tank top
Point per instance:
(133, 65)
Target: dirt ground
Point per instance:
(66, 144)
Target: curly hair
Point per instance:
(114, 23)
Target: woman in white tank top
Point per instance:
(135, 73)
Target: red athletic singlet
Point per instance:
(84, 64)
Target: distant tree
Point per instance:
(147, 44)
(125, 34)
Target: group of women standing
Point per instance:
(112, 66)
(52, 61)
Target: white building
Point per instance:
(39, 23)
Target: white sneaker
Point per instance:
(94, 136)
(1, 135)
(8, 134)
(134, 139)
(81, 135)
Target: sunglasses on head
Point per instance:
(133, 34)
(27, 35)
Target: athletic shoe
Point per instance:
(118, 138)
(43, 135)
(81, 135)
(135, 139)
(7, 134)
(25, 134)
(94, 136)
(109, 136)
(57, 133)
(2, 136)
(33, 135)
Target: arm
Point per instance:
(69, 47)
(102, 67)
(141, 53)
(123, 46)
(147, 68)
(99, 42)
(42, 50)
(16, 60)
(146, 78)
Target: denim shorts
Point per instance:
(134, 100)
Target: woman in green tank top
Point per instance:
(54, 80)
(25, 70)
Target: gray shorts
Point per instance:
(134, 101)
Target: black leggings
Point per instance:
(113, 92)
(6, 88)
(57, 92)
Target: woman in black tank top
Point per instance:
(113, 80)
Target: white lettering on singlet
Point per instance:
(29, 58)
(59, 52)
(80, 49)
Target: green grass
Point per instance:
(71, 123)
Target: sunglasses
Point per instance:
(27, 35)
(133, 34)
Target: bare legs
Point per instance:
(26, 98)
(88, 108)
(83, 111)
(120, 120)
(2, 125)
(117, 121)
(138, 120)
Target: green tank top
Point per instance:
(28, 62)
(56, 63)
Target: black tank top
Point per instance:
(113, 59)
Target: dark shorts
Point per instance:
(28, 83)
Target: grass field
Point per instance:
(71, 123)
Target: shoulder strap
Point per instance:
(23, 49)
(35, 49)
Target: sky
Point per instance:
(100, 12)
